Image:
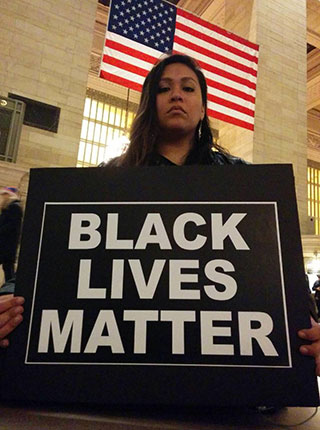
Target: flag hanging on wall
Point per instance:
(140, 31)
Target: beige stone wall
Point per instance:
(280, 134)
(281, 116)
(45, 49)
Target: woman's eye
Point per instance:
(163, 89)
(188, 89)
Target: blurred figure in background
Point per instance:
(10, 225)
(316, 289)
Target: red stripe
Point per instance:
(229, 90)
(216, 42)
(214, 56)
(120, 81)
(228, 75)
(223, 73)
(125, 66)
(217, 29)
(230, 105)
(230, 119)
(130, 51)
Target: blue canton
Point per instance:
(149, 22)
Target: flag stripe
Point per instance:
(211, 41)
(230, 119)
(120, 81)
(219, 58)
(214, 107)
(212, 27)
(215, 70)
(125, 66)
(123, 47)
(126, 74)
(229, 90)
(231, 105)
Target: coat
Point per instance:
(10, 225)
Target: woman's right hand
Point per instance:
(11, 310)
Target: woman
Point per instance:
(171, 128)
(171, 125)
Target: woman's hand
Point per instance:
(11, 310)
(312, 334)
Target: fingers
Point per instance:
(313, 335)
(11, 310)
(9, 301)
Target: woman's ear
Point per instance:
(202, 112)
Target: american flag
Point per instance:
(140, 31)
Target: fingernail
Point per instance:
(302, 334)
(304, 350)
(17, 319)
(19, 300)
(18, 310)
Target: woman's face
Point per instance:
(179, 101)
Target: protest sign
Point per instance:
(162, 286)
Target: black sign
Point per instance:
(162, 286)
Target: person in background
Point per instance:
(10, 225)
(171, 128)
(316, 289)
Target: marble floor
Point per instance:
(15, 417)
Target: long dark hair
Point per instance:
(145, 129)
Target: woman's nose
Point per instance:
(176, 94)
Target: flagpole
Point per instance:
(127, 108)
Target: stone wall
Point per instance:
(280, 134)
(45, 49)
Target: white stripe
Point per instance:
(229, 83)
(231, 98)
(127, 58)
(121, 73)
(206, 45)
(231, 112)
(218, 36)
(134, 45)
(214, 63)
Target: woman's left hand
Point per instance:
(313, 335)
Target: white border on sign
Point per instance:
(163, 364)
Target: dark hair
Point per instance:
(145, 130)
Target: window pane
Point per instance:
(97, 132)
(87, 107)
(106, 121)
(88, 153)
(81, 151)
(84, 129)
(99, 111)
(93, 110)
(94, 155)
(90, 130)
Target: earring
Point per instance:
(200, 130)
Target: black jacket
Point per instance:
(215, 158)
(10, 224)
